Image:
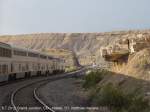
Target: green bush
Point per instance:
(111, 97)
(139, 105)
(93, 78)
(117, 101)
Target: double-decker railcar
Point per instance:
(5, 61)
(19, 63)
(22, 63)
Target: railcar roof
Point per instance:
(18, 48)
(45, 54)
(5, 45)
(24, 49)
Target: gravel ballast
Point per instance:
(64, 93)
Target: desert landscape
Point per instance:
(74, 56)
(124, 55)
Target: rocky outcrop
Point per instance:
(123, 47)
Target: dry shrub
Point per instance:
(138, 65)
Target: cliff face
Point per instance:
(86, 46)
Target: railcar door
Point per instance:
(4, 71)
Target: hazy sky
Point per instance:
(31, 16)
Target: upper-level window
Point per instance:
(4, 52)
(20, 53)
(30, 54)
(43, 56)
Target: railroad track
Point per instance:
(36, 96)
(26, 99)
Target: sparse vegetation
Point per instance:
(70, 68)
(112, 96)
(118, 67)
(118, 101)
(94, 77)
(137, 66)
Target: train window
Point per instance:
(47, 66)
(30, 54)
(33, 66)
(0, 69)
(4, 52)
(43, 56)
(50, 58)
(20, 67)
(20, 53)
(4, 69)
(11, 67)
(27, 67)
(39, 66)
(23, 68)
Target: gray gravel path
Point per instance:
(64, 93)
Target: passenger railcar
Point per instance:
(23, 63)
(5, 61)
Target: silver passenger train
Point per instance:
(23, 63)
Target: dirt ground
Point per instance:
(66, 95)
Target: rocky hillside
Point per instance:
(86, 46)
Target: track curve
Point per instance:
(25, 98)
